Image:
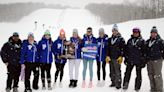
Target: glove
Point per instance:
(107, 59)
(120, 59)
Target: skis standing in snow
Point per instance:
(29, 62)
(116, 44)
(88, 39)
(10, 54)
(60, 49)
(45, 58)
(102, 42)
(74, 63)
(135, 56)
(155, 55)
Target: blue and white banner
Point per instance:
(89, 51)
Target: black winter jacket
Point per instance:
(135, 51)
(155, 49)
(10, 52)
(115, 47)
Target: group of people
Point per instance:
(30, 56)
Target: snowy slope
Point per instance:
(69, 19)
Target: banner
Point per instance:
(89, 51)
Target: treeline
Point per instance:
(114, 13)
(14, 12)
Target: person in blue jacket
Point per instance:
(88, 39)
(45, 58)
(59, 50)
(102, 42)
(74, 63)
(29, 61)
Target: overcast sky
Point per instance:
(74, 3)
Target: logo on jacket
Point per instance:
(29, 47)
(44, 46)
(59, 46)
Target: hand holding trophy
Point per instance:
(69, 50)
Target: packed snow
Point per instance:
(54, 20)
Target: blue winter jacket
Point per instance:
(29, 52)
(59, 49)
(102, 47)
(45, 51)
(78, 46)
(87, 38)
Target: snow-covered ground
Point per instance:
(68, 19)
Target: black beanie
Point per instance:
(154, 29)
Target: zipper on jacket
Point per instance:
(48, 52)
(101, 49)
(34, 53)
(62, 49)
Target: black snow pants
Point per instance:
(13, 72)
(29, 68)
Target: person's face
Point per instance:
(31, 39)
(153, 34)
(62, 36)
(101, 34)
(89, 32)
(47, 36)
(75, 35)
(15, 38)
(115, 32)
(136, 34)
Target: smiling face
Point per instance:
(114, 32)
(136, 34)
(153, 34)
(62, 36)
(101, 34)
(31, 39)
(47, 36)
(15, 38)
(75, 35)
(89, 32)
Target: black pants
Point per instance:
(115, 73)
(138, 79)
(59, 69)
(13, 72)
(46, 69)
(31, 67)
(99, 69)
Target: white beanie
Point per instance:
(101, 30)
(115, 27)
(30, 34)
(75, 31)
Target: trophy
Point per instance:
(69, 51)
